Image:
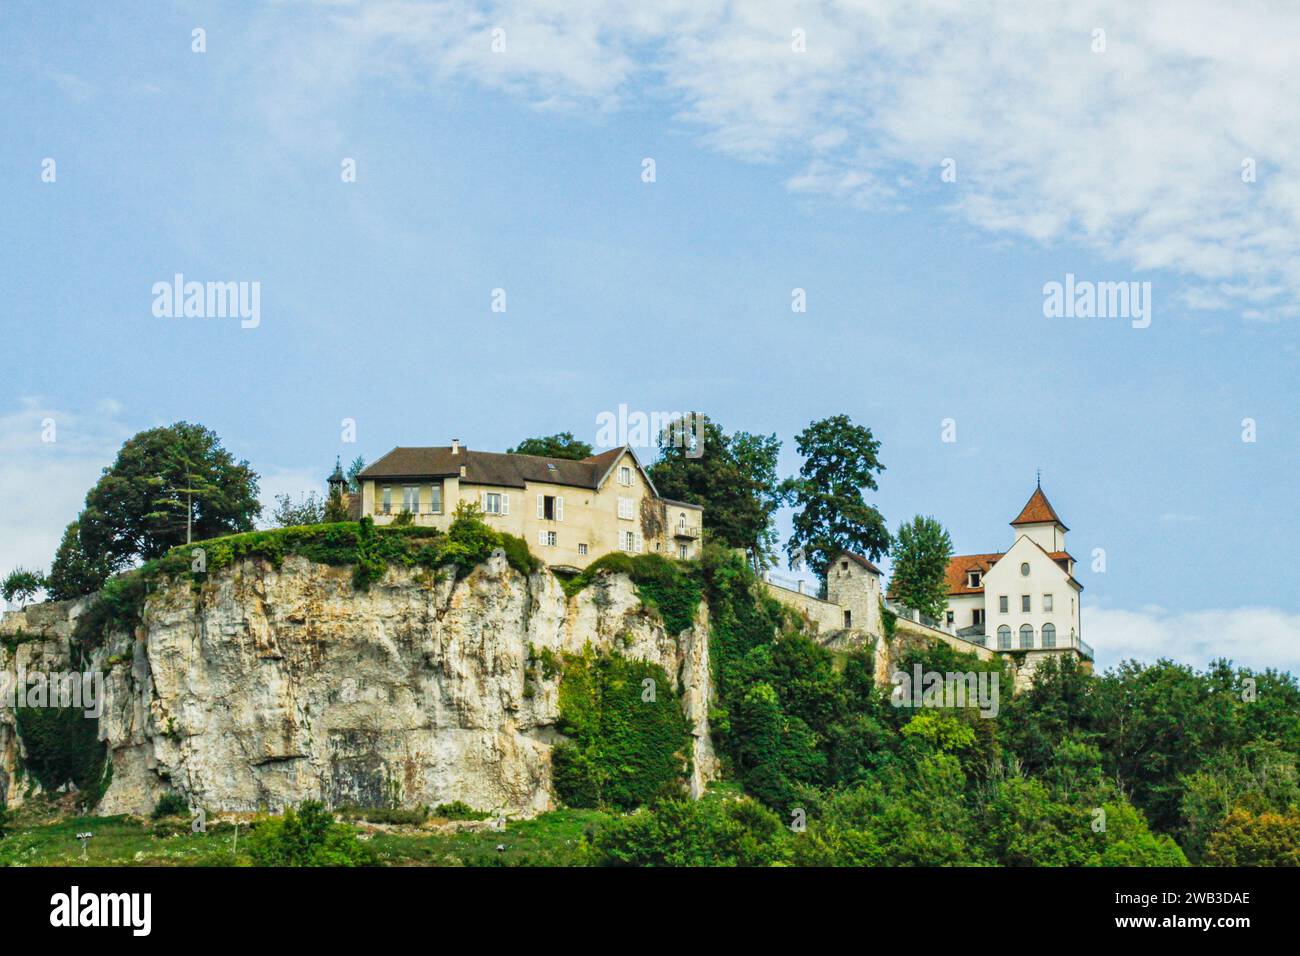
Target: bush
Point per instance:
(1249, 839)
(681, 832)
(308, 836)
(170, 805)
(63, 747)
(458, 810)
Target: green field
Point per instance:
(36, 836)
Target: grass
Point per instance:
(37, 837)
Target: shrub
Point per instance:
(170, 805)
(308, 836)
(682, 832)
(458, 810)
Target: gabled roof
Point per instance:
(1038, 510)
(497, 468)
(960, 565)
(860, 560)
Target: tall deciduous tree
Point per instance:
(733, 477)
(840, 465)
(922, 550)
(561, 445)
(167, 485)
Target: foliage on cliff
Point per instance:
(62, 747)
(628, 739)
(672, 588)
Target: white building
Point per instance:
(1025, 598)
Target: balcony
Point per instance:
(686, 531)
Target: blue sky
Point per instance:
(522, 170)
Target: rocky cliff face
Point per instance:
(267, 686)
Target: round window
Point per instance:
(1024, 569)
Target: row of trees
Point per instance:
(174, 484)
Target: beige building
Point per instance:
(569, 512)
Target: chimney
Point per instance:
(455, 446)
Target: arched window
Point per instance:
(1026, 636)
(1049, 635)
(1004, 638)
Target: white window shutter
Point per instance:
(541, 538)
(559, 508)
(540, 506)
(638, 542)
(505, 503)
(482, 501)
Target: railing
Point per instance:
(686, 531)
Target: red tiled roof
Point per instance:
(963, 563)
(1038, 510)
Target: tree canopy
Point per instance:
(166, 483)
(559, 445)
(922, 550)
(840, 465)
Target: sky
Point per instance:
(921, 170)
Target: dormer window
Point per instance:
(625, 476)
(974, 579)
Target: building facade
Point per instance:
(1025, 598)
(569, 512)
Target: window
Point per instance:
(844, 565)
(582, 548)
(1026, 637)
(848, 618)
(1002, 604)
(974, 579)
(411, 499)
(1004, 638)
(492, 503)
(546, 539)
(1049, 635)
(631, 540)
(949, 618)
(977, 616)
(1024, 603)
(625, 476)
(550, 507)
(625, 508)
(435, 499)
(1047, 602)
(388, 499)
(683, 551)
(681, 521)
(1024, 570)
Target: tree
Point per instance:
(922, 551)
(22, 584)
(733, 477)
(840, 463)
(560, 445)
(354, 483)
(335, 508)
(167, 485)
(75, 572)
(308, 509)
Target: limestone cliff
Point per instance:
(265, 686)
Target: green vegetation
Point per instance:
(170, 805)
(922, 549)
(307, 836)
(561, 445)
(668, 586)
(62, 748)
(628, 739)
(21, 585)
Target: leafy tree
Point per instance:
(308, 509)
(22, 584)
(168, 485)
(75, 573)
(922, 550)
(335, 508)
(356, 468)
(561, 445)
(733, 478)
(1248, 839)
(840, 464)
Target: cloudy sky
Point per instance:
(921, 170)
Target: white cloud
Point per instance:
(43, 484)
(1255, 637)
(1135, 153)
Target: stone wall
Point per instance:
(826, 617)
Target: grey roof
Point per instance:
(493, 468)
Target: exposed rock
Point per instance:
(266, 687)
